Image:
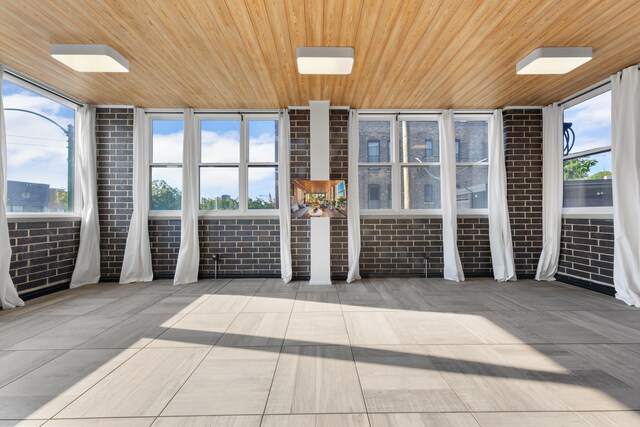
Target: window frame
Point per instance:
(480, 117)
(593, 212)
(243, 166)
(397, 166)
(75, 211)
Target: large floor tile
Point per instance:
(45, 391)
(77, 306)
(220, 421)
(132, 304)
(315, 379)
(176, 304)
(135, 332)
(530, 419)
(312, 302)
(142, 386)
(270, 303)
(278, 286)
(223, 303)
(22, 423)
(376, 329)
(195, 330)
(230, 380)
(403, 379)
(423, 420)
(611, 418)
(316, 420)
(102, 422)
(18, 363)
(256, 329)
(363, 301)
(27, 327)
(486, 382)
(316, 329)
(70, 334)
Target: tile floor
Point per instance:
(385, 352)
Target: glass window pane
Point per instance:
(473, 136)
(40, 156)
(166, 188)
(263, 188)
(421, 187)
(471, 187)
(220, 141)
(219, 188)
(587, 181)
(263, 140)
(375, 187)
(167, 138)
(590, 122)
(375, 146)
(419, 142)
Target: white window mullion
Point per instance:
(396, 171)
(243, 169)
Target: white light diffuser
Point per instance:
(554, 60)
(324, 60)
(90, 58)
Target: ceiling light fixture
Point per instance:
(90, 58)
(324, 60)
(554, 60)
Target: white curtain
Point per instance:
(8, 295)
(552, 144)
(499, 227)
(625, 156)
(353, 199)
(452, 264)
(136, 266)
(87, 269)
(284, 196)
(189, 255)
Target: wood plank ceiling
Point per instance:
(241, 53)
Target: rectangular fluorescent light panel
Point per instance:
(554, 60)
(90, 58)
(324, 60)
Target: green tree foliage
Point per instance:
(601, 175)
(261, 204)
(577, 168)
(218, 204)
(164, 196)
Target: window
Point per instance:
(238, 163)
(40, 131)
(167, 132)
(472, 162)
(428, 193)
(373, 199)
(428, 149)
(373, 151)
(587, 152)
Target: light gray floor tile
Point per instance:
(18, 363)
(27, 327)
(223, 303)
(316, 420)
(176, 304)
(315, 379)
(423, 420)
(612, 419)
(376, 329)
(256, 329)
(77, 306)
(316, 329)
(195, 330)
(220, 421)
(530, 419)
(135, 332)
(70, 334)
(317, 302)
(102, 422)
(45, 391)
(270, 303)
(141, 386)
(230, 380)
(403, 379)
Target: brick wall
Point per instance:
(44, 253)
(586, 250)
(523, 159)
(114, 141)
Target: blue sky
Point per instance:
(592, 125)
(36, 149)
(220, 144)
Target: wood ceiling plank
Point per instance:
(241, 53)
